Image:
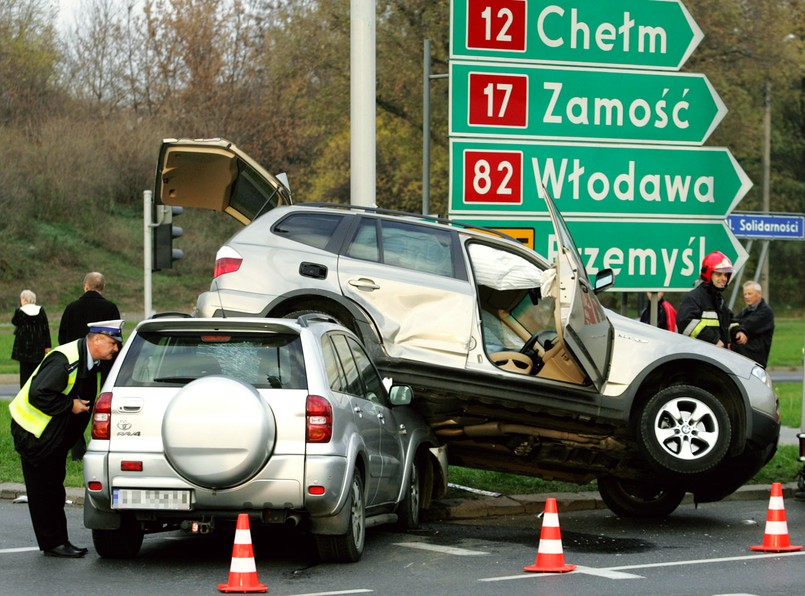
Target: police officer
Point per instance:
(45, 424)
(703, 313)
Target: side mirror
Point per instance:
(604, 279)
(401, 395)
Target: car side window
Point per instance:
(371, 380)
(335, 374)
(420, 248)
(352, 376)
(312, 229)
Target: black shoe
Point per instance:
(78, 548)
(65, 551)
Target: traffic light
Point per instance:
(163, 234)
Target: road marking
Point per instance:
(615, 572)
(356, 591)
(447, 550)
(22, 549)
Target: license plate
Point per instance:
(135, 498)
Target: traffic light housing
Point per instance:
(163, 253)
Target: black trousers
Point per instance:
(44, 484)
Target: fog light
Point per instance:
(94, 485)
(315, 490)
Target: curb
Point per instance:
(459, 509)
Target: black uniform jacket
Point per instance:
(759, 325)
(46, 395)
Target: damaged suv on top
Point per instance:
(515, 364)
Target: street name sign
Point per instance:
(650, 34)
(616, 180)
(779, 226)
(645, 255)
(546, 102)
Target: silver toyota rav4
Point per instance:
(289, 421)
(515, 364)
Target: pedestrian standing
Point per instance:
(757, 318)
(45, 424)
(31, 335)
(90, 306)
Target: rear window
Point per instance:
(169, 359)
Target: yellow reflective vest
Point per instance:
(27, 416)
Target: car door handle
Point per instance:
(358, 411)
(363, 283)
(130, 405)
(381, 418)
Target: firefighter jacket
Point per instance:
(705, 315)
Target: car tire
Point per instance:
(409, 509)
(628, 498)
(684, 430)
(122, 543)
(347, 547)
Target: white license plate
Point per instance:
(136, 498)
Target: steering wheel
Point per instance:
(539, 342)
(513, 361)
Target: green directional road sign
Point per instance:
(618, 33)
(646, 255)
(544, 102)
(506, 177)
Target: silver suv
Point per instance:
(289, 421)
(516, 365)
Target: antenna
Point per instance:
(220, 302)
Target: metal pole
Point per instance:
(147, 231)
(363, 125)
(426, 128)
(736, 283)
(763, 266)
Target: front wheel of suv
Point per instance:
(629, 498)
(123, 543)
(685, 430)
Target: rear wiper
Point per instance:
(174, 379)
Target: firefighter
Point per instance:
(704, 314)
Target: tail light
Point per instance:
(227, 260)
(319, 419)
(102, 417)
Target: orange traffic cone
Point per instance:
(242, 571)
(550, 558)
(775, 538)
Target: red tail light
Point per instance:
(319, 418)
(102, 417)
(227, 261)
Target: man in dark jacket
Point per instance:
(758, 321)
(703, 313)
(91, 306)
(45, 424)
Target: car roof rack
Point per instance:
(427, 218)
(160, 315)
(315, 317)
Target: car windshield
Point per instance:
(176, 358)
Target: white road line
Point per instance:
(447, 550)
(355, 591)
(22, 549)
(614, 572)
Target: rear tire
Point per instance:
(628, 498)
(347, 547)
(408, 511)
(122, 543)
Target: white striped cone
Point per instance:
(242, 571)
(550, 557)
(775, 537)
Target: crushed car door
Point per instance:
(586, 330)
(214, 174)
(412, 279)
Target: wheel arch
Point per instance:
(704, 375)
(346, 311)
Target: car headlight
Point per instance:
(760, 373)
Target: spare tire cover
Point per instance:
(218, 432)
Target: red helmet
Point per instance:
(716, 261)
